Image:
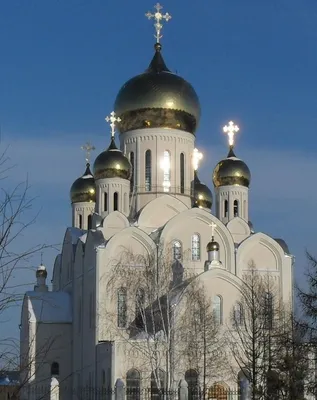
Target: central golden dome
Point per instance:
(157, 98)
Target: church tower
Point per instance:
(159, 113)
(231, 179)
(83, 195)
(112, 171)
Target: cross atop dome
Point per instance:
(213, 227)
(231, 129)
(88, 148)
(113, 119)
(158, 17)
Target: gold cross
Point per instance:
(231, 129)
(88, 148)
(197, 156)
(213, 227)
(112, 119)
(158, 16)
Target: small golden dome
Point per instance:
(202, 194)
(212, 246)
(157, 98)
(84, 188)
(231, 171)
(112, 163)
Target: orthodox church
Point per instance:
(143, 193)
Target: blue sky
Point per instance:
(63, 62)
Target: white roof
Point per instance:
(49, 307)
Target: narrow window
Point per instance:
(166, 166)
(122, 308)
(237, 314)
(80, 221)
(125, 202)
(195, 247)
(182, 172)
(236, 208)
(132, 174)
(217, 309)
(55, 369)
(139, 301)
(115, 201)
(89, 221)
(244, 209)
(148, 171)
(105, 201)
(191, 377)
(133, 384)
(177, 250)
(225, 209)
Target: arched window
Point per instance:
(148, 171)
(89, 221)
(80, 221)
(158, 383)
(244, 208)
(195, 247)
(55, 369)
(268, 310)
(237, 314)
(225, 208)
(132, 172)
(125, 201)
(105, 201)
(182, 172)
(122, 307)
(236, 208)
(115, 201)
(217, 309)
(133, 381)
(191, 377)
(166, 166)
(177, 250)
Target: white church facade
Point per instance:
(143, 198)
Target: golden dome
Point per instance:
(157, 98)
(202, 194)
(111, 163)
(231, 171)
(84, 188)
(212, 246)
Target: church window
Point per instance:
(125, 201)
(237, 314)
(236, 208)
(217, 309)
(177, 250)
(55, 369)
(80, 221)
(89, 221)
(148, 171)
(191, 377)
(105, 202)
(225, 209)
(115, 201)
(122, 308)
(182, 172)
(166, 166)
(132, 174)
(133, 381)
(244, 208)
(268, 310)
(158, 383)
(195, 247)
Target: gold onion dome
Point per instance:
(112, 163)
(157, 98)
(231, 171)
(202, 194)
(84, 188)
(212, 245)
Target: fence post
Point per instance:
(183, 390)
(119, 389)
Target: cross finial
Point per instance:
(197, 157)
(213, 227)
(113, 119)
(88, 148)
(158, 17)
(231, 129)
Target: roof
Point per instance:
(283, 244)
(9, 378)
(49, 307)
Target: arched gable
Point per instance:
(158, 211)
(196, 220)
(262, 251)
(56, 278)
(239, 229)
(113, 223)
